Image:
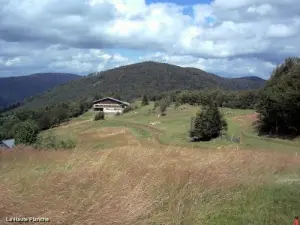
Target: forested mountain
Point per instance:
(15, 89)
(132, 81)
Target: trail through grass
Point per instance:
(126, 171)
(173, 129)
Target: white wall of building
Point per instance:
(109, 108)
(112, 110)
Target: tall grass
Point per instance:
(138, 185)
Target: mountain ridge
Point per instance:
(17, 88)
(133, 80)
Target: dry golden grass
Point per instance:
(129, 185)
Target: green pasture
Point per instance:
(173, 129)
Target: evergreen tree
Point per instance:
(279, 102)
(208, 123)
(145, 100)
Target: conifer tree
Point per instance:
(208, 123)
(279, 102)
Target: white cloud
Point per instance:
(262, 9)
(281, 31)
(231, 67)
(11, 62)
(57, 58)
(244, 36)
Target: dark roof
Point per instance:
(113, 99)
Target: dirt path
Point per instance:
(70, 124)
(154, 140)
(108, 137)
(245, 120)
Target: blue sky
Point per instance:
(229, 38)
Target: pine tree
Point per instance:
(208, 123)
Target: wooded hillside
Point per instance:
(16, 89)
(134, 80)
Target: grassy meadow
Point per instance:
(173, 129)
(126, 171)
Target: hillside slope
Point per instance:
(14, 89)
(147, 77)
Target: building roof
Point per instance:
(113, 99)
(10, 143)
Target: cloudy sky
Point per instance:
(227, 37)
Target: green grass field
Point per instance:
(126, 171)
(173, 129)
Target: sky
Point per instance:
(231, 38)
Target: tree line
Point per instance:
(11, 107)
(222, 98)
(279, 101)
(278, 104)
(25, 124)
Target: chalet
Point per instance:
(110, 105)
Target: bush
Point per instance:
(66, 144)
(118, 114)
(50, 142)
(177, 104)
(46, 142)
(207, 124)
(99, 116)
(145, 100)
(163, 105)
(26, 132)
(127, 109)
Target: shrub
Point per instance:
(99, 116)
(118, 114)
(26, 132)
(177, 104)
(163, 105)
(156, 104)
(145, 100)
(51, 142)
(127, 109)
(66, 144)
